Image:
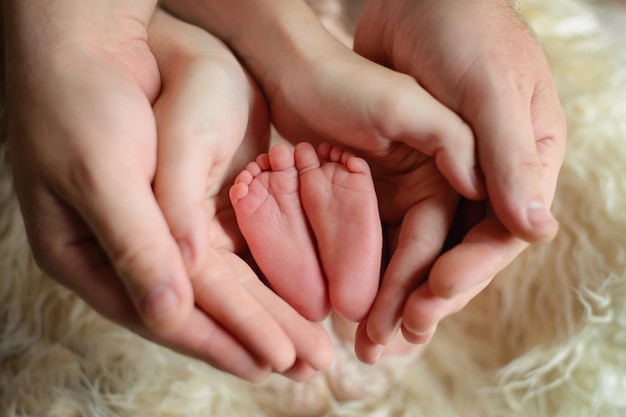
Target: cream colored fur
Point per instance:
(546, 339)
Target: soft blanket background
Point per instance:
(547, 338)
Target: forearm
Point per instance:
(270, 36)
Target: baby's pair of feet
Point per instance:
(311, 222)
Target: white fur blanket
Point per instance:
(546, 339)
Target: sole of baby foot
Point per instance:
(267, 205)
(338, 196)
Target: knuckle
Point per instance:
(138, 262)
(91, 174)
(526, 161)
(83, 177)
(389, 107)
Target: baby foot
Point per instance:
(338, 197)
(266, 200)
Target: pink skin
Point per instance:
(271, 218)
(292, 206)
(339, 199)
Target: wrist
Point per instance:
(271, 37)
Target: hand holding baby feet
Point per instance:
(311, 222)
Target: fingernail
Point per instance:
(478, 181)
(420, 336)
(376, 352)
(185, 252)
(539, 215)
(424, 333)
(158, 302)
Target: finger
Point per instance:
(420, 241)
(109, 186)
(86, 271)
(312, 343)
(520, 156)
(130, 227)
(486, 249)
(365, 349)
(394, 109)
(300, 371)
(461, 273)
(203, 338)
(220, 292)
(549, 126)
(198, 336)
(412, 116)
(424, 311)
(418, 338)
(68, 252)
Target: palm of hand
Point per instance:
(223, 230)
(405, 178)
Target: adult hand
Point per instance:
(208, 103)
(320, 90)
(84, 153)
(480, 60)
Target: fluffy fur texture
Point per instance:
(546, 339)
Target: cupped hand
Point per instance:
(480, 60)
(319, 90)
(212, 120)
(84, 152)
(421, 155)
